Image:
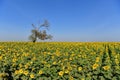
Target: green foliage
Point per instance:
(59, 61)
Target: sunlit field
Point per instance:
(60, 61)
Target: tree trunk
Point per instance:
(35, 37)
(34, 41)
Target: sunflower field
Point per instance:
(60, 61)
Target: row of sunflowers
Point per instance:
(60, 61)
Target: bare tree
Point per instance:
(40, 34)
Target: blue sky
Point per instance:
(70, 20)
